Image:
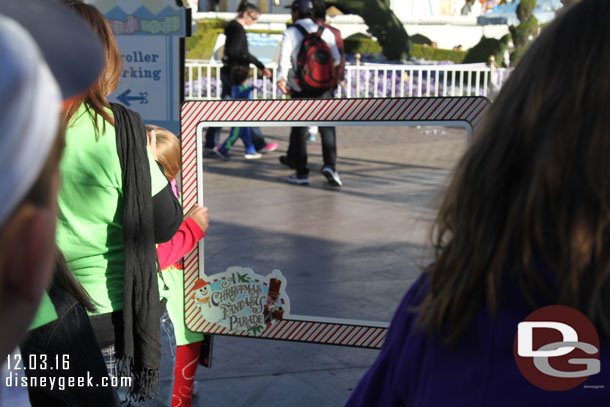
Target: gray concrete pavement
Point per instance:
(349, 253)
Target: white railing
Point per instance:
(365, 80)
(203, 81)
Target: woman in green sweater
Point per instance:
(110, 192)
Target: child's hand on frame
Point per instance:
(200, 215)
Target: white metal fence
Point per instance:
(365, 80)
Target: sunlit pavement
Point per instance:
(348, 252)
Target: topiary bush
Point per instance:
(525, 9)
(362, 44)
(420, 39)
(438, 54)
(527, 28)
(382, 23)
(486, 48)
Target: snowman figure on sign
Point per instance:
(202, 293)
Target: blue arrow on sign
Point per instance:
(124, 98)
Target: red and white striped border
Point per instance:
(469, 110)
(328, 333)
(442, 109)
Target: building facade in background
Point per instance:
(425, 8)
(404, 9)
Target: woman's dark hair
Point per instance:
(239, 74)
(65, 281)
(245, 7)
(95, 98)
(529, 203)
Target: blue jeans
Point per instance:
(163, 397)
(239, 132)
(212, 134)
(70, 335)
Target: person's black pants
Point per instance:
(297, 150)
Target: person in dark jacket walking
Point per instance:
(236, 54)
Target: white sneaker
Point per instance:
(294, 179)
(332, 177)
(252, 156)
(223, 156)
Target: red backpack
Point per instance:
(315, 63)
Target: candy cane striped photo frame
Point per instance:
(466, 112)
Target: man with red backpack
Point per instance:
(310, 52)
(319, 17)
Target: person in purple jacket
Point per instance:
(524, 224)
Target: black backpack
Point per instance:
(315, 63)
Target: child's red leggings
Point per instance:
(187, 358)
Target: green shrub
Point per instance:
(486, 48)
(201, 45)
(518, 53)
(528, 27)
(420, 39)
(438, 54)
(362, 44)
(525, 9)
(265, 31)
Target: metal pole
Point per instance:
(492, 70)
(358, 56)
